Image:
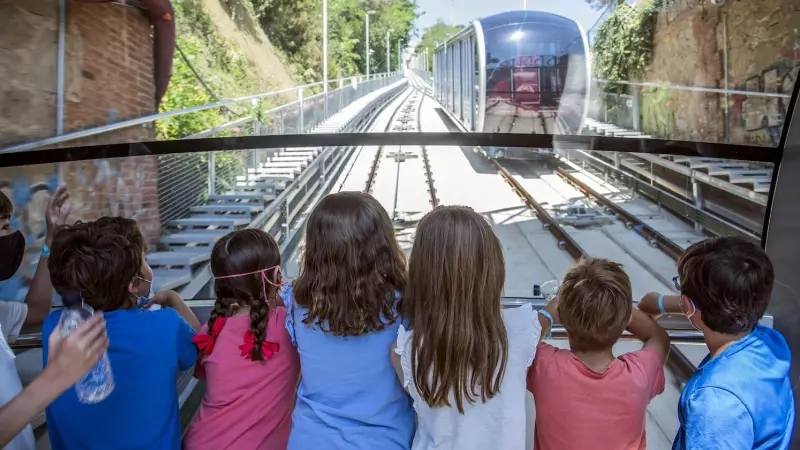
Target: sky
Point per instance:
(466, 11)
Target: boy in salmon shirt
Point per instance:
(594, 400)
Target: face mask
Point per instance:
(12, 249)
(690, 314)
(143, 300)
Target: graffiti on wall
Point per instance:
(29, 195)
(108, 187)
(758, 120)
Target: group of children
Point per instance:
(367, 351)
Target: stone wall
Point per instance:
(108, 78)
(763, 48)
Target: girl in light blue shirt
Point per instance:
(341, 314)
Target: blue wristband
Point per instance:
(549, 319)
(45, 250)
(661, 303)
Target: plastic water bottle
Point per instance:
(549, 289)
(98, 383)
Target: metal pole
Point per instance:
(367, 49)
(325, 53)
(388, 61)
(62, 37)
(525, 4)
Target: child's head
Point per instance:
(246, 268)
(453, 301)
(725, 284)
(595, 304)
(352, 266)
(129, 229)
(98, 262)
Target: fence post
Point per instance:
(636, 124)
(258, 151)
(212, 168)
(341, 94)
(300, 118)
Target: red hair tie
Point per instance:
(204, 342)
(268, 349)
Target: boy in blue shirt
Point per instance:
(146, 349)
(740, 397)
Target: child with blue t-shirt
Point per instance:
(341, 314)
(147, 349)
(740, 396)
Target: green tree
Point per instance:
(434, 35)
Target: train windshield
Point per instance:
(536, 74)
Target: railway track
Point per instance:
(677, 362)
(409, 163)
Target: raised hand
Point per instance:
(57, 210)
(70, 358)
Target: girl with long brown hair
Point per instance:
(342, 316)
(463, 357)
(246, 357)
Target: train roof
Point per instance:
(523, 16)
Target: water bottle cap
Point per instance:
(71, 299)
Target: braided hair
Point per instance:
(244, 252)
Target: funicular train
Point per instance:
(523, 72)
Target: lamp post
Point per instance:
(388, 60)
(325, 53)
(366, 49)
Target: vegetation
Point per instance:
(435, 35)
(206, 67)
(623, 45)
(295, 27)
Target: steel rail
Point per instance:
(652, 235)
(373, 170)
(565, 241)
(677, 362)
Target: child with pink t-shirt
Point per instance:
(593, 399)
(248, 362)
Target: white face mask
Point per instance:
(141, 301)
(690, 314)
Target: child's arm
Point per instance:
(650, 332)
(68, 360)
(651, 305)
(174, 300)
(551, 312)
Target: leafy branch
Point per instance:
(623, 45)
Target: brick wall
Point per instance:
(762, 42)
(108, 78)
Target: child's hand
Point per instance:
(165, 298)
(71, 357)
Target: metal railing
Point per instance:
(297, 116)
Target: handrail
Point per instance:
(165, 115)
(677, 326)
(679, 87)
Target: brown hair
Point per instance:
(128, 228)
(453, 302)
(243, 252)
(729, 279)
(595, 303)
(97, 262)
(6, 208)
(352, 267)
